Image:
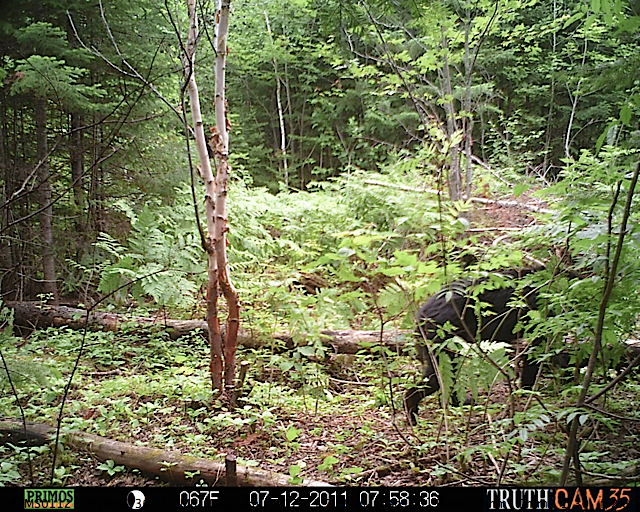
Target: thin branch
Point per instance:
(571, 451)
(133, 74)
(611, 384)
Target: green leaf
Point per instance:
(405, 259)
(393, 271)
(292, 433)
(523, 434)
(362, 240)
(349, 471)
(346, 252)
(573, 19)
(307, 350)
(625, 115)
(328, 463)
(295, 470)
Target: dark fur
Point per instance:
(453, 304)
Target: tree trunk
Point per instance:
(33, 315)
(95, 197)
(169, 466)
(46, 214)
(208, 243)
(76, 159)
(223, 170)
(548, 131)
(7, 272)
(575, 98)
(222, 354)
(466, 107)
(454, 178)
(283, 137)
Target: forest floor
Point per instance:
(339, 422)
(383, 452)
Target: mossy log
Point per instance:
(34, 315)
(169, 466)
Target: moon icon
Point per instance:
(135, 500)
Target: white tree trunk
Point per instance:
(210, 199)
(283, 135)
(220, 142)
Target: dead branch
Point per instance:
(481, 200)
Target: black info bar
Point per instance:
(610, 499)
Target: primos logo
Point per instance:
(48, 498)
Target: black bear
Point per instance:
(496, 322)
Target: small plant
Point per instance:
(328, 463)
(111, 468)
(8, 473)
(62, 473)
(291, 434)
(294, 472)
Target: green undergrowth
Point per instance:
(142, 387)
(347, 256)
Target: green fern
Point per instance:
(25, 372)
(162, 258)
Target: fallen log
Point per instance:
(34, 315)
(169, 466)
(482, 200)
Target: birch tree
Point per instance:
(216, 188)
(283, 136)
